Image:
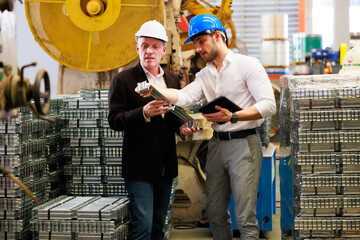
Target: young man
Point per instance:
(149, 159)
(234, 157)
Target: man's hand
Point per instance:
(186, 131)
(156, 107)
(164, 93)
(223, 115)
(144, 94)
(11, 113)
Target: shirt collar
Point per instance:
(229, 56)
(149, 74)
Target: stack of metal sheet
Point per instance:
(95, 152)
(325, 148)
(70, 217)
(55, 144)
(22, 152)
(32, 150)
(168, 223)
(94, 149)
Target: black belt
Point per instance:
(234, 135)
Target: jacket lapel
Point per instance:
(140, 74)
(167, 79)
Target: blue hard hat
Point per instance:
(201, 23)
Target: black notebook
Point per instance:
(219, 101)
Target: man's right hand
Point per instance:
(144, 94)
(155, 107)
(168, 93)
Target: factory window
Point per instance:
(323, 20)
(354, 17)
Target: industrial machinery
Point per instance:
(90, 35)
(223, 13)
(16, 91)
(95, 35)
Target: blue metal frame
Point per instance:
(286, 194)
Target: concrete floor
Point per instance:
(205, 233)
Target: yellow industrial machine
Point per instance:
(90, 35)
(98, 35)
(223, 13)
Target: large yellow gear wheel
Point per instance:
(90, 35)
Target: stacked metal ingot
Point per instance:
(22, 152)
(54, 151)
(168, 222)
(325, 148)
(94, 149)
(80, 218)
(264, 132)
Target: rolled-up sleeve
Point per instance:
(260, 87)
(190, 94)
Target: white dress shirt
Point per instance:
(242, 79)
(157, 81)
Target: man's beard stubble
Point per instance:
(213, 52)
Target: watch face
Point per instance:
(234, 118)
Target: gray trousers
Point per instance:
(233, 166)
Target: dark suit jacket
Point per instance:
(148, 148)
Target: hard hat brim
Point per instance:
(188, 40)
(163, 40)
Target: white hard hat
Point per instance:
(351, 62)
(152, 29)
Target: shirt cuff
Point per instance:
(145, 118)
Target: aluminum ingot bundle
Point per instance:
(55, 145)
(32, 150)
(264, 132)
(168, 226)
(324, 137)
(95, 149)
(81, 218)
(22, 149)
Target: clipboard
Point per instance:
(221, 101)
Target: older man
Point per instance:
(149, 159)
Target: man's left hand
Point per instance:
(186, 131)
(223, 115)
(8, 114)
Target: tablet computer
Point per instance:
(221, 101)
